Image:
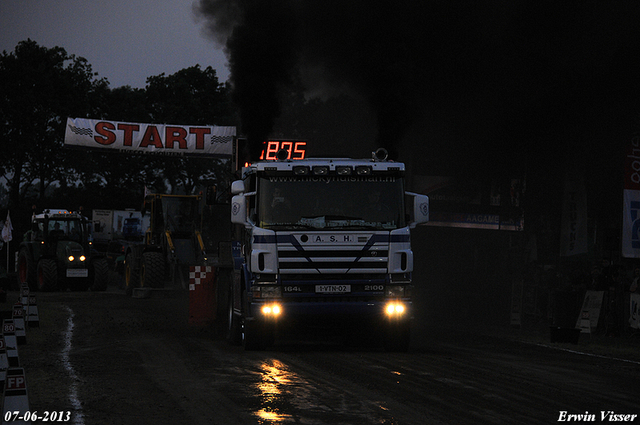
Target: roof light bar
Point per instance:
(320, 170)
(363, 170)
(301, 170)
(344, 170)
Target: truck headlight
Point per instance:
(272, 310)
(395, 309)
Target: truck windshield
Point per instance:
(318, 202)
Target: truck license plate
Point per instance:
(333, 289)
(77, 272)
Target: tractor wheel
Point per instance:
(152, 272)
(27, 270)
(100, 275)
(131, 275)
(47, 275)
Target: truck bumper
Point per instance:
(325, 310)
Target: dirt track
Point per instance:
(110, 359)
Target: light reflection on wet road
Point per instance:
(274, 389)
(282, 388)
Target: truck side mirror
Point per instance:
(239, 209)
(418, 209)
(237, 187)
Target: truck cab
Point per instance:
(324, 238)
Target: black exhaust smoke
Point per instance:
(375, 49)
(261, 58)
(475, 70)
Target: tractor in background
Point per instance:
(56, 254)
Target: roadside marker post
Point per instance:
(33, 320)
(24, 294)
(4, 363)
(18, 322)
(10, 342)
(16, 400)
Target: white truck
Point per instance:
(110, 225)
(320, 238)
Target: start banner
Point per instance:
(165, 139)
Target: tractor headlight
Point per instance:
(71, 258)
(83, 258)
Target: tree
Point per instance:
(190, 96)
(40, 87)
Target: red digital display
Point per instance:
(296, 149)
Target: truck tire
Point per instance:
(234, 330)
(131, 275)
(152, 271)
(47, 275)
(27, 269)
(100, 275)
(397, 336)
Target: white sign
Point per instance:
(591, 306)
(77, 273)
(150, 138)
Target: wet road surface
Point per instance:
(111, 359)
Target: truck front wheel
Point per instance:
(234, 330)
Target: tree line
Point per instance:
(40, 87)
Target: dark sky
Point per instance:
(124, 41)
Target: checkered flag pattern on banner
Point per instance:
(223, 135)
(221, 139)
(81, 131)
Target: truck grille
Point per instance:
(334, 261)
